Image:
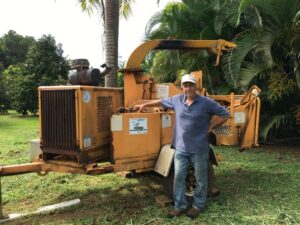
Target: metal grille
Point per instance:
(104, 112)
(58, 119)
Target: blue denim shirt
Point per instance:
(192, 122)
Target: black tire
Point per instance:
(190, 181)
(169, 181)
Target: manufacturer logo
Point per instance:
(226, 129)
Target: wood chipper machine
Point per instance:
(87, 129)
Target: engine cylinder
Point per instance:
(85, 77)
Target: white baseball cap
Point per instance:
(188, 78)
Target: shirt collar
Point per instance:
(197, 99)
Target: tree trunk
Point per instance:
(111, 37)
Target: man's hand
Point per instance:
(216, 122)
(139, 108)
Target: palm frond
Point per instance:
(232, 62)
(244, 4)
(172, 21)
(126, 8)
(228, 14)
(88, 6)
(274, 122)
(253, 18)
(297, 17)
(208, 32)
(154, 21)
(249, 71)
(297, 74)
(161, 33)
(264, 45)
(284, 11)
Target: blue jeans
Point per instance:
(181, 164)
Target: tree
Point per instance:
(45, 65)
(13, 50)
(110, 11)
(45, 62)
(4, 100)
(111, 37)
(21, 89)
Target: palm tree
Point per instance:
(267, 53)
(110, 10)
(267, 42)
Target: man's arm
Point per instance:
(142, 106)
(216, 122)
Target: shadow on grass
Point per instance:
(20, 116)
(111, 205)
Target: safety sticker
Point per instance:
(86, 97)
(162, 91)
(239, 117)
(138, 126)
(116, 123)
(86, 142)
(166, 121)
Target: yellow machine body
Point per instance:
(81, 127)
(242, 127)
(75, 121)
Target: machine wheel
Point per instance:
(191, 183)
(168, 183)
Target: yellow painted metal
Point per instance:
(93, 134)
(128, 144)
(141, 136)
(240, 130)
(139, 54)
(20, 168)
(139, 165)
(257, 122)
(136, 88)
(242, 127)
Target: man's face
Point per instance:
(189, 89)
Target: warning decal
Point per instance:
(138, 126)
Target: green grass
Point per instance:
(258, 187)
(15, 133)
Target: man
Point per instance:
(193, 115)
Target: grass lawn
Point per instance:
(259, 186)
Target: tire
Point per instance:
(168, 183)
(190, 181)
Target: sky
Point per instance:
(79, 33)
